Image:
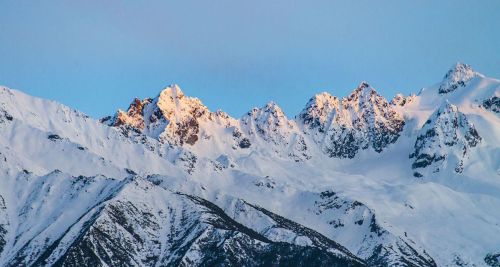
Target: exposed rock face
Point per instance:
(492, 104)
(457, 77)
(182, 115)
(400, 100)
(343, 127)
(492, 259)
(319, 113)
(134, 117)
(270, 124)
(4, 223)
(196, 160)
(172, 118)
(445, 139)
(5, 116)
(137, 223)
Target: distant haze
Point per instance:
(96, 56)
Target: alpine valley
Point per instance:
(350, 181)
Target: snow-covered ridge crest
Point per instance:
(134, 116)
(270, 128)
(340, 127)
(318, 110)
(268, 168)
(179, 120)
(361, 120)
(37, 131)
(399, 100)
(266, 120)
(458, 76)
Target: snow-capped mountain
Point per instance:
(350, 181)
(360, 121)
(445, 139)
(171, 116)
(457, 76)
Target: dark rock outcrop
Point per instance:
(447, 136)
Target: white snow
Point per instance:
(448, 215)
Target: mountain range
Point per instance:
(358, 180)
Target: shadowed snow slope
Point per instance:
(350, 181)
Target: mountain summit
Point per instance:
(170, 116)
(350, 181)
(445, 139)
(458, 76)
(342, 127)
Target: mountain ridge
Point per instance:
(341, 169)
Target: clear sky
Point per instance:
(97, 55)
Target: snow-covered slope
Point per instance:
(46, 136)
(96, 221)
(349, 181)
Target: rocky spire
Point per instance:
(267, 121)
(343, 127)
(318, 110)
(458, 76)
(447, 136)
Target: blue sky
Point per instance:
(97, 55)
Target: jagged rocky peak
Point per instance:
(172, 91)
(363, 90)
(270, 124)
(268, 121)
(364, 102)
(323, 99)
(361, 120)
(270, 114)
(458, 76)
(377, 122)
(176, 106)
(318, 110)
(170, 117)
(363, 96)
(444, 141)
(133, 117)
(222, 118)
(274, 109)
(177, 116)
(171, 104)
